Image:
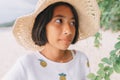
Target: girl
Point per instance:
(49, 31)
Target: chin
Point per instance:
(64, 47)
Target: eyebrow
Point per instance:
(62, 16)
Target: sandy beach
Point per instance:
(10, 50)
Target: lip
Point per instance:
(66, 40)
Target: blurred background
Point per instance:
(96, 47)
(11, 9)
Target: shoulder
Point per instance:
(80, 54)
(19, 69)
(27, 58)
(83, 59)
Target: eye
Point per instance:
(72, 23)
(59, 21)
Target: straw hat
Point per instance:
(88, 13)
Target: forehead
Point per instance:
(62, 10)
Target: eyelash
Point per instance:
(61, 21)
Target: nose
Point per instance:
(67, 30)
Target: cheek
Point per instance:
(73, 31)
(52, 32)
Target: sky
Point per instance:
(11, 9)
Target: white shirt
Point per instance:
(31, 67)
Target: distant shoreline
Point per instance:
(5, 28)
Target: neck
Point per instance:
(56, 55)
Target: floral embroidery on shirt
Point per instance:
(42, 63)
(62, 76)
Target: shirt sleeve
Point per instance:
(17, 72)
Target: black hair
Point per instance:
(43, 18)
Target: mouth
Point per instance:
(66, 41)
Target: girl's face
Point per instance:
(60, 30)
